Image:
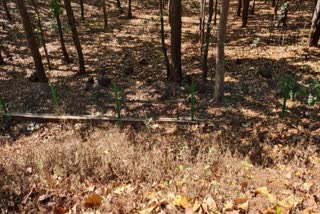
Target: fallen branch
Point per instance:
(86, 118)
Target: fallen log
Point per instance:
(36, 117)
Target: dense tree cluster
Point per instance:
(208, 16)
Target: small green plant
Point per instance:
(3, 108)
(278, 210)
(283, 13)
(54, 97)
(192, 100)
(286, 94)
(115, 89)
(55, 8)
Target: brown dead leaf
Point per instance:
(211, 204)
(188, 211)
(181, 201)
(93, 200)
(196, 206)
(60, 210)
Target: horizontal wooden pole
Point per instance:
(86, 118)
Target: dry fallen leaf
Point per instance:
(211, 204)
(188, 211)
(228, 207)
(196, 206)
(264, 191)
(60, 210)
(181, 201)
(148, 210)
(290, 203)
(93, 200)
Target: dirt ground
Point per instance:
(248, 159)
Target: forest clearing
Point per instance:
(195, 106)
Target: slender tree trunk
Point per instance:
(105, 15)
(253, 7)
(274, 3)
(219, 77)
(42, 37)
(215, 12)
(82, 9)
(206, 45)
(245, 12)
(129, 10)
(315, 27)
(40, 73)
(239, 8)
(119, 6)
(63, 46)
(275, 9)
(1, 59)
(6, 9)
(202, 23)
(175, 10)
(163, 43)
(76, 41)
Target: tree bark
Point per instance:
(1, 59)
(206, 45)
(119, 6)
(82, 9)
(105, 15)
(239, 8)
(253, 7)
(163, 43)
(202, 23)
(315, 27)
(76, 41)
(42, 37)
(129, 10)
(62, 42)
(215, 12)
(245, 12)
(175, 10)
(219, 77)
(275, 9)
(27, 25)
(6, 9)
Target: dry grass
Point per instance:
(126, 164)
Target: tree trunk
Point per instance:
(105, 15)
(215, 12)
(119, 6)
(275, 9)
(6, 9)
(27, 25)
(206, 45)
(219, 77)
(129, 10)
(76, 41)
(63, 46)
(1, 59)
(315, 27)
(82, 9)
(42, 37)
(239, 8)
(175, 23)
(245, 12)
(163, 43)
(274, 3)
(253, 7)
(202, 23)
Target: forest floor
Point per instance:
(247, 159)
